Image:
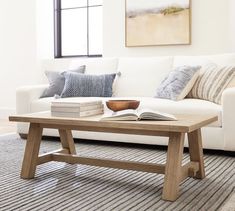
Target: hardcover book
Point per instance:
(136, 115)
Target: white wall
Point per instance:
(45, 29)
(210, 30)
(18, 64)
(232, 24)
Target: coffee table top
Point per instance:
(185, 123)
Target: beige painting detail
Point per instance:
(157, 22)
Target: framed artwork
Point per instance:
(158, 22)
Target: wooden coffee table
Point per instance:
(175, 130)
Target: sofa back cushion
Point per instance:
(96, 65)
(220, 59)
(141, 76)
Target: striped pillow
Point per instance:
(211, 83)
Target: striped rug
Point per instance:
(60, 186)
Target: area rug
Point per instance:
(60, 186)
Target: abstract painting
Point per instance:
(158, 22)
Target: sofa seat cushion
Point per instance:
(186, 106)
(44, 104)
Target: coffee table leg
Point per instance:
(31, 151)
(196, 151)
(173, 167)
(66, 138)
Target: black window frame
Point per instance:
(58, 32)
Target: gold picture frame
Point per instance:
(157, 22)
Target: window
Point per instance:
(78, 28)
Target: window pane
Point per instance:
(73, 3)
(74, 32)
(95, 2)
(95, 30)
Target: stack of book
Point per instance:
(76, 109)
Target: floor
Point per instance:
(7, 127)
(10, 127)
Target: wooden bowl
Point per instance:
(119, 105)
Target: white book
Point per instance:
(76, 109)
(136, 115)
(75, 103)
(77, 115)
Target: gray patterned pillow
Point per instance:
(82, 85)
(178, 83)
(56, 81)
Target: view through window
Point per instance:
(78, 28)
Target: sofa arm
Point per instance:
(25, 95)
(228, 104)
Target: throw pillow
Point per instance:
(82, 85)
(178, 83)
(212, 81)
(231, 83)
(56, 81)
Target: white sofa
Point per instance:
(139, 80)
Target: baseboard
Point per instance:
(6, 112)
